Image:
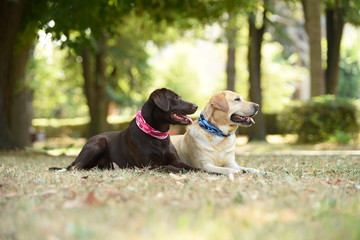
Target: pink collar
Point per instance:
(146, 128)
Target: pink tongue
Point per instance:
(252, 120)
(189, 118)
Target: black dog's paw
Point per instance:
(56, 169)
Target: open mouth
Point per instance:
(181, 118)
(242, 120)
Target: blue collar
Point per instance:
(204, 124)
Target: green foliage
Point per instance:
(127, 58)
(340, 137)
(349, 84)
(349, 80)
(321, 119)
(279, 78)
(349, 9)
(189, 68)
(57, 83)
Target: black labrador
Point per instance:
(145, 143)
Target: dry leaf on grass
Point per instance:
(311, 190)
(231, 177)
(160, 195)
(46, 193)
(334, 181)
(92, 200)
(71, 204)
(288, 215)
(181, 178)
(180, 184)
(11, 194)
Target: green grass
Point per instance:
(310, 197)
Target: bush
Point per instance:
(321, 119)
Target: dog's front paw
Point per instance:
(255, 171)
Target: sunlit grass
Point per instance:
(275, 143)
(310, 197)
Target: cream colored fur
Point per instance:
(208, 151)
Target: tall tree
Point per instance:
(231, 34)
(232, 10)
(20, 95)
(88, 26)
(312, 12)
(338, 12)
(97, 23)
(11, 14)
(334, 30)
(95, 85)
(256, 32)
(17, 33)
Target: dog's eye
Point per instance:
(237, 99)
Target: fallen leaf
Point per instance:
(312, 190)
(11, 194)
(334, 181)
(288, 215)
(231, 177)
(330, 171)
(180, 184)
(71, 204)
(213, 178)
(160, 195)
(181, 178)
(48, 192)
(91, 199)
(254, 195)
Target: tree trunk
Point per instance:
(334, 31)
(312, 12)
(231, 33)
(11, 14)
(258, 131)
(21, 98)
(95, 82)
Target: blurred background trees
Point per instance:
(94, 59)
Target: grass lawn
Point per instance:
(310, 197)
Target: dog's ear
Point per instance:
(160, 99)
(219, 101)
(208, 110)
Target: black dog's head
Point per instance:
(171, 107)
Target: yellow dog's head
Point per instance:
(229, 108)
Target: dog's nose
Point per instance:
(256, 107)
(195, 107)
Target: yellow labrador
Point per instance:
(210, 142)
